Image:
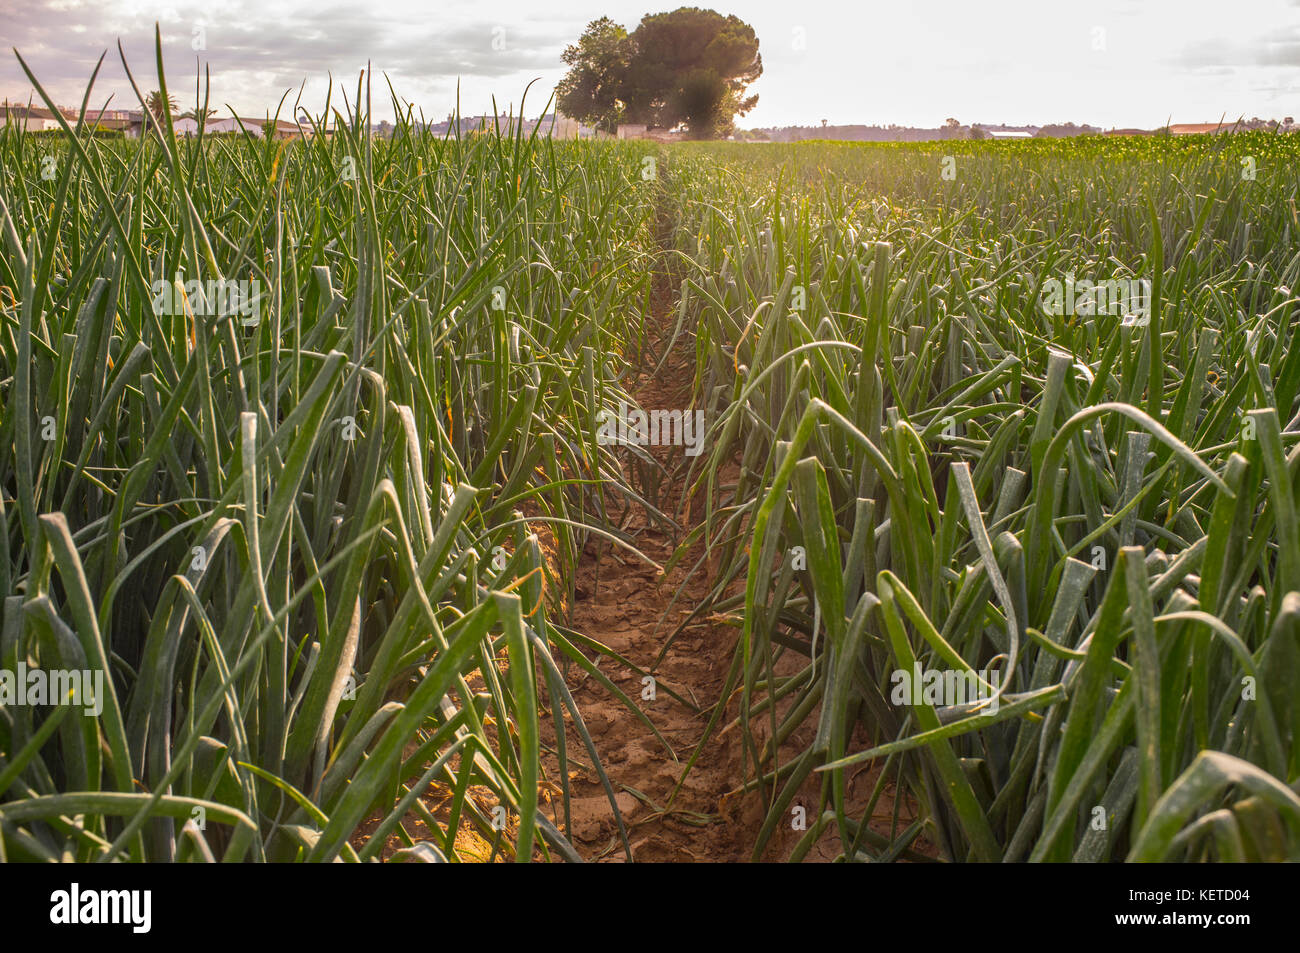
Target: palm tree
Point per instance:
(155, 105)
(201, 116)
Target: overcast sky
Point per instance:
(1110, 63)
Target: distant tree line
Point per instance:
(951, 129)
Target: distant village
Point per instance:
(131, 124)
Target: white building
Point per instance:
(33, 119)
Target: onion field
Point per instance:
(992, 509)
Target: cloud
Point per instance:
(1259, 51)
(257, 50)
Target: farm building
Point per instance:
(1197, 128)
(31, 118)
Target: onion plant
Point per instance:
(938, 473)
(301, 540)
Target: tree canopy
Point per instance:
(689, 67)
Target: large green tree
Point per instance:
(598, 66)
(689, 67)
